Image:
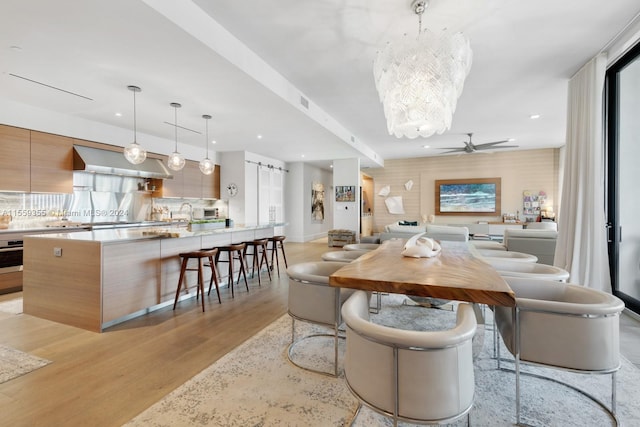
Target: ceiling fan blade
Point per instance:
(455, 150)
(452, 148)
(490, 144)
(501, 146)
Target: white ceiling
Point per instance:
(248, 63)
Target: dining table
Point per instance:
(457, 272)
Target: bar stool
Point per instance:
(199, 256)
(258, 254)
(233, 251)
(277, 242)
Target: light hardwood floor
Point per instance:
(107, 379)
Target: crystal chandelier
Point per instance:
(206, 165)
(420, 80)
(134, 153)
(176, 160)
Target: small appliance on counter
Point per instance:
(228, 222)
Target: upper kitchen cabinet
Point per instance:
(192, 180)
(14, 152)
(51, 163)
(211, 184)
(190, 183)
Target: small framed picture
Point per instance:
(346, 193)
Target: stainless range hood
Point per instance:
(107, 162)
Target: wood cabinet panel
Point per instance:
(51, 163)
(135, 283)
(15, 154)
(192, 180)
(64, 289)
(11, 282)
(173, 187)
(211, 184)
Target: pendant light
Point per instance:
(134, 153)
(176, 160)
(206, 165)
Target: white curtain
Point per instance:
(582, 244)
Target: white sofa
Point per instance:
(541, 243)
(438, 232)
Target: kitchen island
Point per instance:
(96, 279)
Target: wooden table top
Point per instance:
(455, 274)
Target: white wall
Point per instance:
(532, 170)
(240, 168)
(346, 215)
(302, 227)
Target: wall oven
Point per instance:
(10, 256)
(10, 265)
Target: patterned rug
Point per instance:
(255, 385)
(14, 363)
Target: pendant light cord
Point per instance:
(175, 118)
(206, 142)
(135, 134)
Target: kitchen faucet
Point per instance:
(186, 204)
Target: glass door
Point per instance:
(623, 176)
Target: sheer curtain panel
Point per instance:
(581, 247)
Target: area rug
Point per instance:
(13, 306)
(255, 385)
(14, 363)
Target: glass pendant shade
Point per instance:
(206, 165)
(134, 153)
(176, 160)
(420, 80)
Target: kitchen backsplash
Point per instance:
(100, 198)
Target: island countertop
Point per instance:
(119, 235)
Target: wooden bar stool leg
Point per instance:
(274, 252)
(230, 279)
(183, 268)
(214, 278)
(200, 290)
(242, 271)
(264, 259)
(284, 256)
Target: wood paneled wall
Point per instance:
(534, 170)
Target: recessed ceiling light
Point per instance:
(534, 116)
(511, 139)
(425, 146)
(213, 141)
(259, 136)
(331, 166)
(118, 114)
(302, 155)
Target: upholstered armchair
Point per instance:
(343, 256)
(531, 270)
(541, 243)
(312, 300)
(412, 376)
(510, 255)
(361, 247)
(562, 326)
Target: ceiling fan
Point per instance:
(470, 147)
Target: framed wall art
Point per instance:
(476, 196)
(346, 193)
